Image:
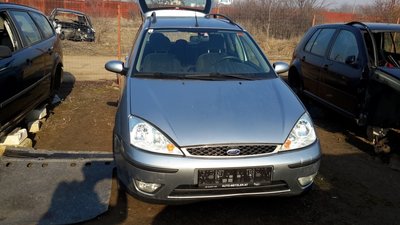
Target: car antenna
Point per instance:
(197, 22)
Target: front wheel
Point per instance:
(56, 81)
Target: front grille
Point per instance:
(245, 150)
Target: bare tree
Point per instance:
(275, 18)
(383, 10)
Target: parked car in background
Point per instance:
(30, 62)
(353, 68)
(203, 114)
(72, 25)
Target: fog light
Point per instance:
(147, 187)
(304, 181)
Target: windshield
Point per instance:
(194, 52)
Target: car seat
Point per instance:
(180, 50)
(160, 60)
(216, 51)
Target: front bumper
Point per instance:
(178, 175)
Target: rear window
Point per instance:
(43, 24)
(189, 51)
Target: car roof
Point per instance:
(383, 26)
(374, 27)
(6, 5)
(199, 21)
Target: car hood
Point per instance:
(193, 112)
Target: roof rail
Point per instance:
(216, 15)
(152, 19)
(357, 23)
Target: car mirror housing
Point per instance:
(5, 52)
(116, 67)
(280, 67)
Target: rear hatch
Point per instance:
(148, 6)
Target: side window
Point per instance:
(345, 46)
(321, 42)
(26, 26)
(311, 41)
(43, 24)
(7, 37)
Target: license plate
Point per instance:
(228, 178)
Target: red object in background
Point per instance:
(94, 8)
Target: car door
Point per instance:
(313, 58)
(342, 71)
(46, 46)
(11, 72)
(35, 54)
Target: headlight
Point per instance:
(302, 134)
(146, 137)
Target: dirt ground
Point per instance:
(354, 186)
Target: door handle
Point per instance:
(325, 67)
(50, 50)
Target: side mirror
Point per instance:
(280, 67)
(5, 52)
(116, 67)
(351, 60)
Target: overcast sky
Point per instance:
(335, 3)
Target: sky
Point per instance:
(335, 3)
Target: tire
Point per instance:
(56, 81)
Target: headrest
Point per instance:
(216, 42)
(159, 42)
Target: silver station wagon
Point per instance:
(203, 114)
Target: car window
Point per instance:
(391, 42)
(191, 51)
(252, 55)
(43, 24)
(345, 46)
(311, 41)
(182, 3)
(7, 36)
(27, 27)
(321, 42)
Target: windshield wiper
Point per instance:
(205, 76)
(220, 76)
(159, 75)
